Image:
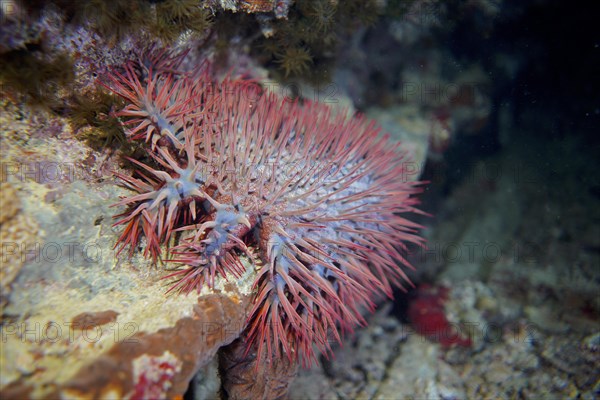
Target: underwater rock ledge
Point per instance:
(79, 321)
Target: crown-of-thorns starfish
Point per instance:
(316, 199)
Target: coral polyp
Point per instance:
(315, 199)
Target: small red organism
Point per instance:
(428, 316)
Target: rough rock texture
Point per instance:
(359, 366)
(206, 384)
(80, 321)
(244, 379)
(9, 202)
(390, 360)
(191, 342)
(16, 229)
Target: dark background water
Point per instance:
(555, 92)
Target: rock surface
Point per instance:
(81, 321)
